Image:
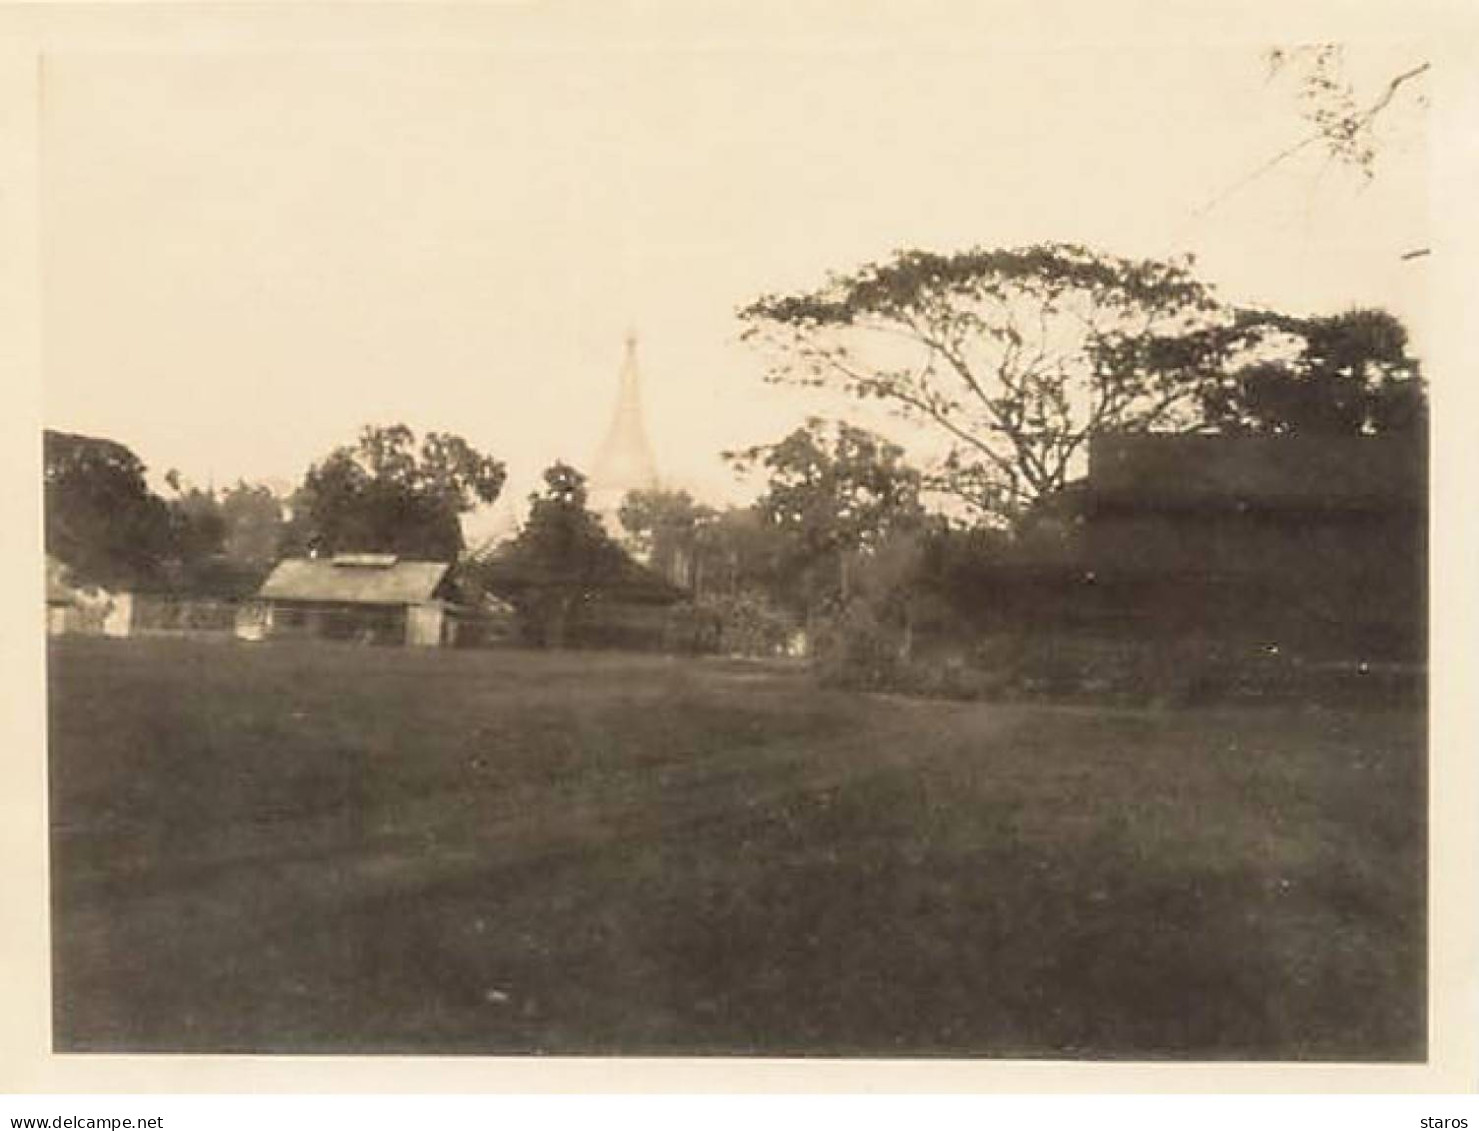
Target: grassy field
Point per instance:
(329, 849)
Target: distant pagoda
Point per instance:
(625, 462)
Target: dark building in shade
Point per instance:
(1315, 544)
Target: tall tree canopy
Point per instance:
(102, 520)
(561, 563)
(670, 529)
(225, 542)
(254, 518)
(198, 526)
(1013, 358)
(110, 529)
(388, 494)
(563, 539)
(835, 486)
(832, 491)
(1349, 374)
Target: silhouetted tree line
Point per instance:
(1013, 359)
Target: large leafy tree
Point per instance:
(832, 491)
(254, 519)
(109, 528)
(1012, 358)
(1349, 374)
(201, 564)
(561, 563)
(225, 542)
(389, 494)
(671, 530)
(102, 520)
(198, 526)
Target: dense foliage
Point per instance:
(387, 494)
(563, 565)
(1348, 374)
(102, 520)
(670, 530)
(831, 492)
(1012, 358)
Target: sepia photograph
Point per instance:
(830, 532)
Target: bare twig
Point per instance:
(1358, 122)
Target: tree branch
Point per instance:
(1357, 122)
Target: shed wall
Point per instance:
(424, 625)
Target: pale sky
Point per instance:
(248, 255)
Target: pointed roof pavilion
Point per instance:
(625, 461)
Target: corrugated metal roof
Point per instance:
(322, 579)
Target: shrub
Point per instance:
(735, 624)
(857, 649)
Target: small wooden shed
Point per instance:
(371, 598)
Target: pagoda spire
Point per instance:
(624, 462)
